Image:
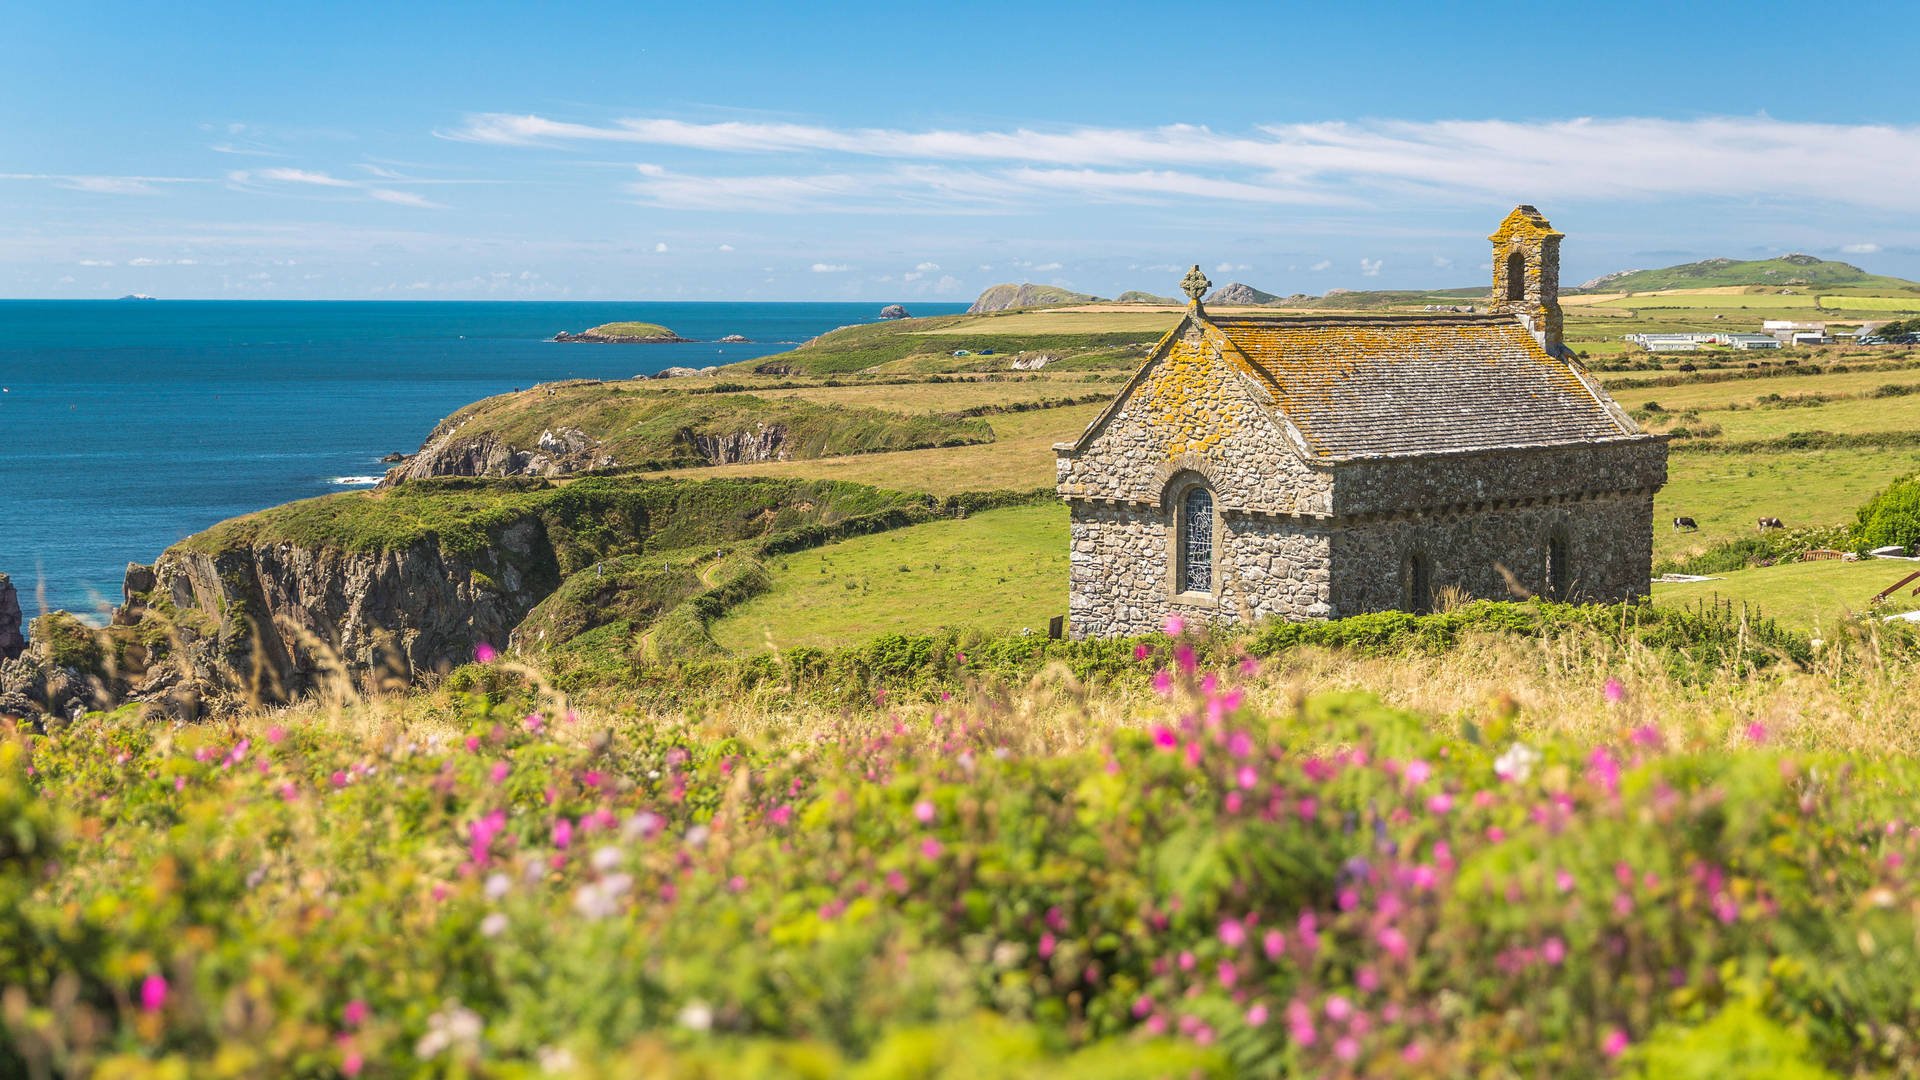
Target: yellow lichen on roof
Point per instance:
(1413, 385)
(1183, 400)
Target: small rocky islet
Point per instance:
(623, 333)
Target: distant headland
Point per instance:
(623, 333)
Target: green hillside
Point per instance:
(1786, 270)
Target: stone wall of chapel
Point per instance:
(1191, 411)
(1389, 485)
(1121, 572)
(1609, 553)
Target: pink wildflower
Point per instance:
(1563, 880)
(338, 779)
(1756, 733)
(923, 811)
(498, 774)
(1417, 773)
(1232, 933)
(1047, 943)
(1187, 960)
(1239, 745)
(1184, 657)
(1553, 950)
(276, 734)
(781, 814)
(1256, 1015)
(1163, 682)
(1347, 1049)
(1393, 941)
(562, 833)
(355, 1013)
(1141, 652)
(179, 783)
(931, 849)
(1142, 1005)
(896, 881)
(484, 653)
(352, 1063)
(535, 722)
(1616, 691)
(1338, 1008)
(289, 792)
(1193, 753)
(1274, 944)
(1176, 626)
(1440, 803)
(1228, 975)
(1246, 777)
(1164, 736)
(1615, 1043)
(153, 993)
(1300, 1024)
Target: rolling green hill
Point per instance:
(1787, 270)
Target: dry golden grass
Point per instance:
(948, 397)
(1020, 458)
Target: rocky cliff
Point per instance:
(1009, 296)
(558, 452)
(12, 642)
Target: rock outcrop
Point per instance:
(894, 311)
(766, 442)
(559, 452)
(735, 339)
(1009, 296)
(623, 334)
(1237, 293)
(12, 642)
(682, 372)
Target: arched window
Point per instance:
(1517, 276)
(1558, 581)
(1196, 542)
(1419, 584)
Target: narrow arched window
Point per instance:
(1419, 584)
(1517, 276)
(1196, 542)
(1557, 579)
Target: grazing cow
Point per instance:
(1770, 523)
(1685, 523)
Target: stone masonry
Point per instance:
(1351, 461)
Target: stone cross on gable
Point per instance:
(1195, 284)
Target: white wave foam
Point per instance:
(355, 481)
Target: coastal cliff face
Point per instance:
(280, 616)
(767, 442)
(1009, 296)
(12, 642)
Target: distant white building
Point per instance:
(1751, 341)
(1789, 331)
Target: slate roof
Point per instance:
(1359, 386)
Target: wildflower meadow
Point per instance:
(1334, 888)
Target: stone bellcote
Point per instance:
(1526, 274)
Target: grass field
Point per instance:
(1808, 596)
(947, 397)
(1871, 303)
(1726, 493)
(1151, 323)
(998, 571)
(1718, 395)
(1893, 414)
(1019, 458)
(1713, 300)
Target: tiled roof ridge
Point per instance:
(1226, 321)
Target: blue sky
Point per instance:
(895, 152)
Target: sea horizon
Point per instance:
(148, 421)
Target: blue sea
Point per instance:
(128, 425)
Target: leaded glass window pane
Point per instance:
(1196, 549)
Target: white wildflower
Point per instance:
(696, 1016)
(497, 885)
(697, 836)
(494, 925)
(1517, 763)
(454, 1027)
(606, 858)
(641, 825)
(557, 1060)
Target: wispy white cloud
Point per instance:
(661, 247)
(107, 185)
(830, 268)
(1370, 267)
(726, 247)
(297, 176)
(1228, 268)
(1323, 163)
(1323, 264)
(404, 198)
(1861, 249)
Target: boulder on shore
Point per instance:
(894, 311)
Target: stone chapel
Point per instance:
(1315, 467)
